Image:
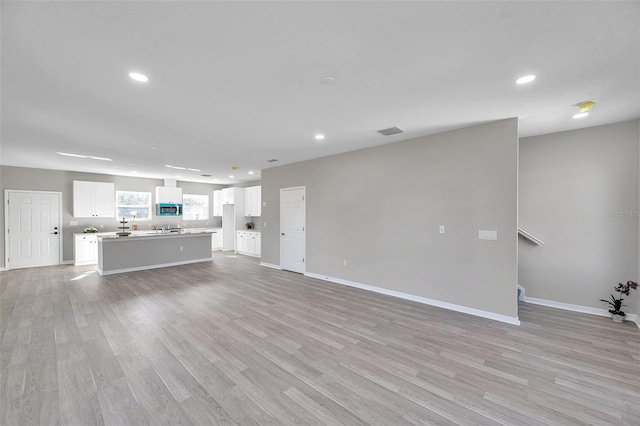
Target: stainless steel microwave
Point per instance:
(169, 210)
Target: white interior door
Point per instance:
(292, 229)
(33, 229)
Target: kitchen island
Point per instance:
(138, 252)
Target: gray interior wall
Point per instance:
(62, 181)
(579, 194)
(380, 209)
(636, 295)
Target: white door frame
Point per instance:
(304, 224)
(6, 222)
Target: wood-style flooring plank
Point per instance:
(230, 342)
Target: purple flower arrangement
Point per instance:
(616, 303)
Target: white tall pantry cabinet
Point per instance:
(232, 216)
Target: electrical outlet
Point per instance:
(181, 248)
(442, 229)
(264, 204)
(265, 224)
(345, 262)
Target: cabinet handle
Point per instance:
(55, 233)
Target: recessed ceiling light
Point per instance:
(250, 172)
(231, 176)
(526, 79)
(100, 158)
(328, 80)
(139, 77)
(66, 154)
(194, 170)
(319, 137)
(580, 115)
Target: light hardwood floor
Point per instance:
(231, 342)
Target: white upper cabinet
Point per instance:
(232, 196)
(168, 195)
(253, 201)
(94, 199)
(217, 202)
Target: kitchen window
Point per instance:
(133, 205)
(195, 207)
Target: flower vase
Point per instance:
(617, 317)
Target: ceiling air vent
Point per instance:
(206, 175)
(273, 160)
(390, 131)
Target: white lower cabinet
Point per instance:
(248, 242)
(85, 249)
(216, 239)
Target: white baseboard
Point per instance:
(579, 308)
(271, 265)
(633, 318)
(69, 262)
(424, 300)
(2, 269)
(162, 265)
(567, 306)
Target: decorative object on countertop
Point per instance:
(90, 230)
(123, 233)
(249, 225)
(616, 304)
(134, 215)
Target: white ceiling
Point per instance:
(238, 83)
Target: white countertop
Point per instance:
(150, 232)
(154, 235)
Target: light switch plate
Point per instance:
(488, 235)
(264, 204)
(442, 229)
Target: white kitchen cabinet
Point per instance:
(168, 195)
(94, 199)
(248, 242)
(241, 241)
(216, 239)
(232, 195)
(253, 201)
(217, 202)
(85, 249)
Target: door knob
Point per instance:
(56, 228)
(55, 233)
(283, 233)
